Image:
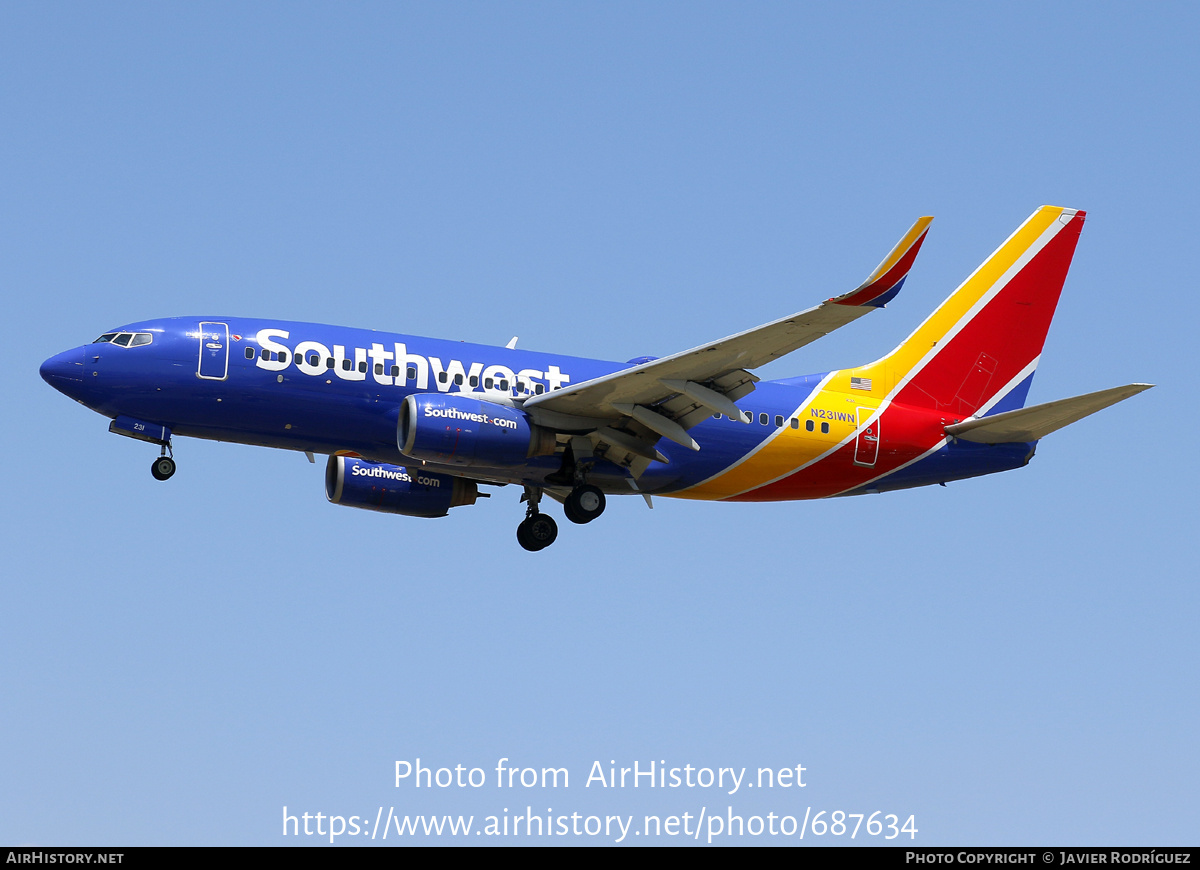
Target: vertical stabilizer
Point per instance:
(977, 352)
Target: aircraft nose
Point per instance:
(65, 370)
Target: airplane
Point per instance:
(415, 426)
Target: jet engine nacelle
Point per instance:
(394, 489)
(459, 430)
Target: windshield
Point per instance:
(125, 339)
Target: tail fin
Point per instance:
(977, 352)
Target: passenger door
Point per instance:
(214, 351)
(866, 440)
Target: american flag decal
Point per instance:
(860, 383)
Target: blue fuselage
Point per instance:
(328, 389)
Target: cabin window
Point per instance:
(808, 425)
(362, 367)
(487, 383)
(378, 368)
(249, 353)
(779, 420)
(314, 360)
(539, 389)
(795, 423)
(266, 354)
(347, 365)
(473, 380)
(503, 384)
(329, 363)
(824, 428)
(395, 371)
(762, 419)
(412, 373)
(458, 379)
(442, 377)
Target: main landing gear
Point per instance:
(164, 466)
(538, 530)
(584, 504)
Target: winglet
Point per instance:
(884, 283)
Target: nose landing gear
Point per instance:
(164, 466)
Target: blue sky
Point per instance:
(1011, 659)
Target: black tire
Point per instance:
(584, 504)
(523, 537)
(569, 512)
(537, 532)
(162, 468)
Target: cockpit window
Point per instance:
(126, 339)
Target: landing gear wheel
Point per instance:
(523, 537)
(537, 532)
(162, 468)
(584, 504)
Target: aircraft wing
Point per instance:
(670, 395)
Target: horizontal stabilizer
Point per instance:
(1030, 424)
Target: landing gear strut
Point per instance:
(163, 467)
(585, 502)
(537, 531)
